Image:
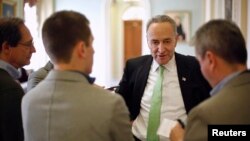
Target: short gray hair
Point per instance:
(223, 38)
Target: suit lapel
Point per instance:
(142, 76)
(183, 71)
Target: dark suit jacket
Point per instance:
(194, 87)
(11, 94)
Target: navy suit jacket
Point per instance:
(194, 87)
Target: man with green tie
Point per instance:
(149, 100)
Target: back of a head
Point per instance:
(61, 31)
(223, 38)
(10, 30)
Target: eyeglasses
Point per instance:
(27, 44)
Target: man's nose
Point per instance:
(33, 49)
(161, 47)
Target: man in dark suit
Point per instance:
(183, 85)
(15, 52)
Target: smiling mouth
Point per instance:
(161, 56)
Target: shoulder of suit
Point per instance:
(187, 59)
(104, 93)
(8, 83)
(140, 59)
(181, 56)
(49, 66)
(242, 78)
(40, 73)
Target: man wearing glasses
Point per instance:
(15, 52)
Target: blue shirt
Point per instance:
(10, 69)
(222, 83)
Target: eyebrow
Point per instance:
(161, 40)
(168, 39)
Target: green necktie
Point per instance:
(155, 109)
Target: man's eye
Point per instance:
(155, 43)
(167, 41)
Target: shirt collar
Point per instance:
(169, 66)
(10, 69)
(222, 83)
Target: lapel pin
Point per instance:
(184, 79)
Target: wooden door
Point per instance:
(132, 39)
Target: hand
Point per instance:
(177, 133)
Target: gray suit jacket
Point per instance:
(229, 106)
(66, 107)
(38, 75)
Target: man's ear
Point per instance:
(211, 59)
(5, 47)
(81, 49)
